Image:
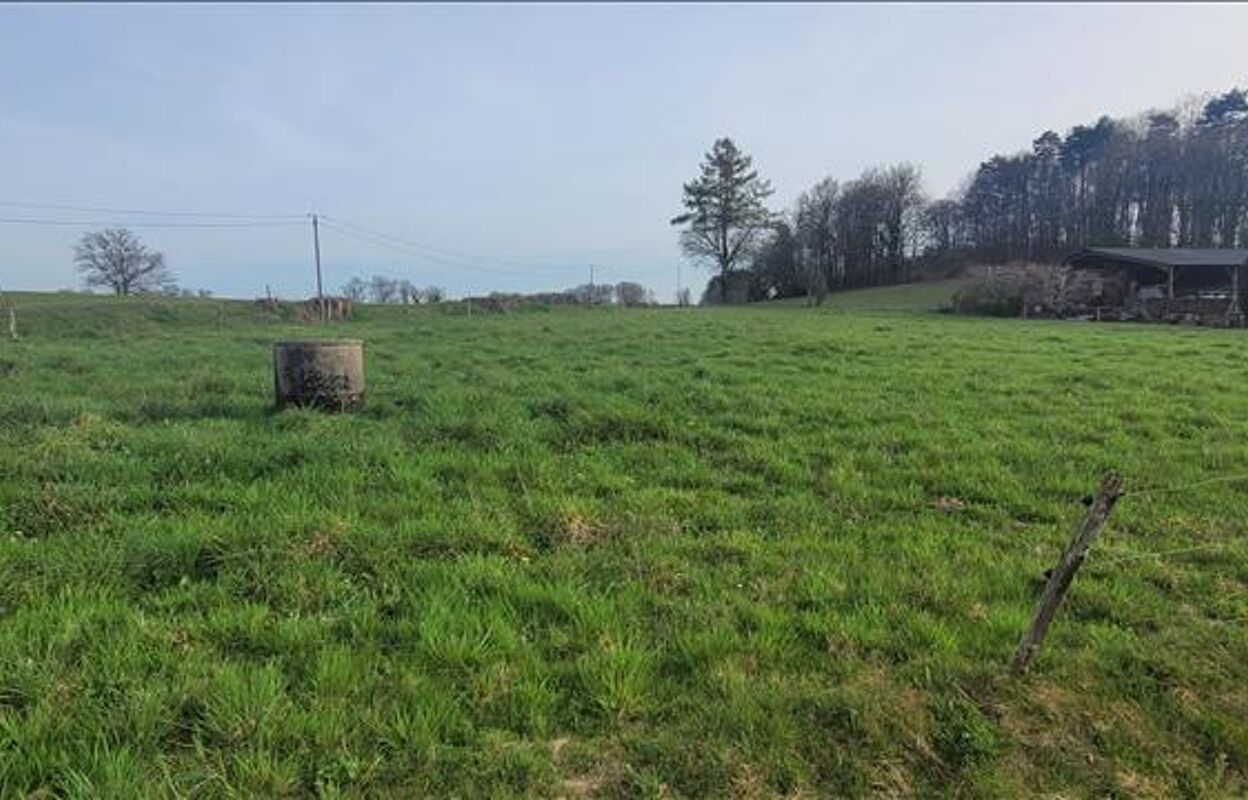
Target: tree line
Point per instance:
(381, 289)
(1174, 178)
(115, 258)
(863, 232)
(385, 290)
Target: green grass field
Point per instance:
(677, 552)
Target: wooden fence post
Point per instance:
(1069, 563)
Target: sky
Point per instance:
(511, 147)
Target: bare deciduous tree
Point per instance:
(383, 289)
(594, 294)
(114, 257)
(629, 293)
(355, 290)
(408, 293)
(817, 246)
(903, 198)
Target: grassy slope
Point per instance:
(929, 295)
(693, 551)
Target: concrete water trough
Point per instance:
(328, 375)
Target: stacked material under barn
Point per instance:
(1200, 284)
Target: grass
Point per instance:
(927, 296)
(750, 552)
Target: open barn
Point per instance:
(1170, 284)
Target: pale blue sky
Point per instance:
(549, 136)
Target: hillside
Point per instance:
(677, 552)
(909, 297)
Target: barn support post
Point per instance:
(1170, 283)
(1233, 314)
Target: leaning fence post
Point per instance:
(1069, 563)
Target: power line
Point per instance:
(211, 219)
(147, 213)
(1162, 553)
(138, 218)
(410, 246)
(1184, 487)
(385, 241)
(453, 254)
(457, 255)
(404, 249)
(149, 224)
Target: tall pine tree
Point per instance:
(725, 215)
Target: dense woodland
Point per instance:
(1176, 178)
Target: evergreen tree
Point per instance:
(725, 215)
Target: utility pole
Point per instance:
(678, 287)
(316, 247)
(591, 285)
(12, 320)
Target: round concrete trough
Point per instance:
(328, 375)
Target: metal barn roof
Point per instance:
(1164, 257)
